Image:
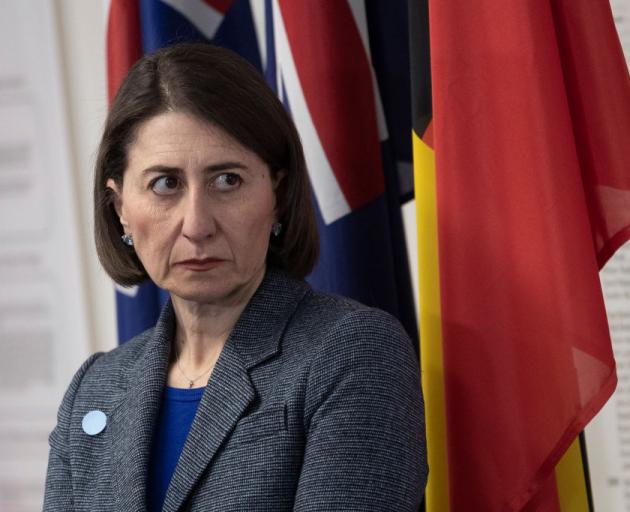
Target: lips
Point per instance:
(200, 265)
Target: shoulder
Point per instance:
(342, 345)
(337, 326)
(311, 323)
(116, 362)
(358, 363)
(103, 371)
(102, 374)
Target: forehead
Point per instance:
(172, 135)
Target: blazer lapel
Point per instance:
(132, 422)
(254, 339)
(227, 395)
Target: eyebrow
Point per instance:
(165, 169)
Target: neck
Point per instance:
(203, 328)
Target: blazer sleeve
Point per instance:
(364, 418)
(58, 492)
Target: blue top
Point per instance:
(178, 410)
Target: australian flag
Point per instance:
(341, 68)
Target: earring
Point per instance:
(276, 229)
(127, 239)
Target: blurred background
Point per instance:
(56, 304)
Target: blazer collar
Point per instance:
(255, 338)
(133, 419)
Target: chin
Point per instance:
(212, 289)
(201, 294)
(209, 291)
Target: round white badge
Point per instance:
(94, 422)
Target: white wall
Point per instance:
(80, 26)
(82, 41)
(56, 306)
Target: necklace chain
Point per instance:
(191, 382)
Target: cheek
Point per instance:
(143, 212)
(149, 224)
(254, 227)
(258, 228)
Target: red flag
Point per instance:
(124, 44)
(531, 131)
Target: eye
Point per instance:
(165, 185)
(227, 181)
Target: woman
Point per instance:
(252, 392)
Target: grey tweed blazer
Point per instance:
(313, 405)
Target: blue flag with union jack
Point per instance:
(341, 68)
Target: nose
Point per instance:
(198, 216)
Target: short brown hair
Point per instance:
(219, 87)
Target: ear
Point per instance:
(279, 176)
(276, 180)
(117, 195)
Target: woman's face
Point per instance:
(199, 206)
